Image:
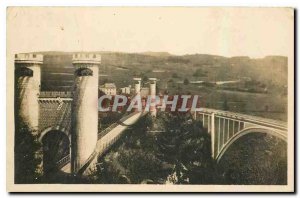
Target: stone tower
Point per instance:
(137, 90)
(85, 108)
(27, 87)
(137, 86)
(153, 96)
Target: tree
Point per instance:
(186, 81)
(84, 72)
(199, 73)
(225, 105)
(174, 75)
(26, 160)
(144, 77)
(186, 145)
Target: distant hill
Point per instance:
(120, 67)
(156, 53)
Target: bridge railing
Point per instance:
(108, 129)
(64, 161)
(107, 145)
(55, 94)
(244, 117)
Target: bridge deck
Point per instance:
(106, 139)
(115, 131)
(244, 117)
(66, 168)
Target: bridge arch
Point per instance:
(248, 131)
(84, 71)
(56, 145)
(24, 71)
(53, 128)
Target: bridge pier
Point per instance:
(212, 132)
(153, 96)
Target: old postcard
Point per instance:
(150, 99)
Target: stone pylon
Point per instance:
(27, 90)
(85, 108)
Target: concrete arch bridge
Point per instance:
(226, 127)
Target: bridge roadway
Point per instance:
(106, 139)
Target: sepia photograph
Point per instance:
(150, 99)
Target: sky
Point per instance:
(254, 32)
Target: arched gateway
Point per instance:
(56, 146)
